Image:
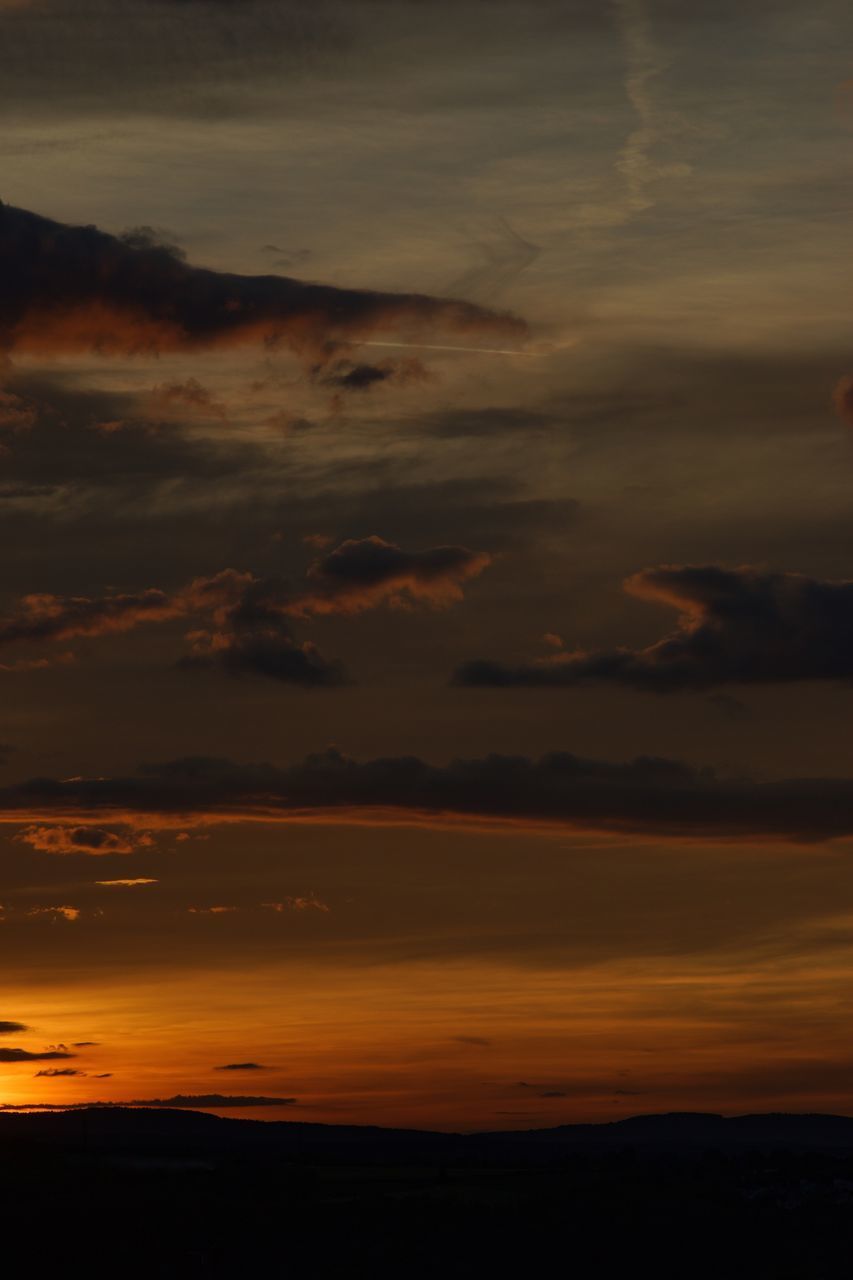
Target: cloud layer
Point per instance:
(646, 796)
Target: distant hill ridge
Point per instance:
(132, 1128)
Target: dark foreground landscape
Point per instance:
(166, 1193)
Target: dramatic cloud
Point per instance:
(251, 630)
(253, 636)
(645, 796)
(241, 1066)
(361, 574)
(77, 289)
(87, 840)
(9, 1028)
(25, 1055)
(739, 626)
(60, 1071)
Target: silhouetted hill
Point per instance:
(697, 1127)
(183, 1194)
(144, 1128)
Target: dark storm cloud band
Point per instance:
(740, 626)
(645, 797)
(78, 289)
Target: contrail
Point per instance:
(432, 346)
(646, 63)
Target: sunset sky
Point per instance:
(426, 612)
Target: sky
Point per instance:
(426, 607)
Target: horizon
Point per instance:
(167, 1108)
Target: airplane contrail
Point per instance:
(432, 346)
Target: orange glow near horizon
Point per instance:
(456, 1046)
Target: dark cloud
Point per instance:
(241, 1066)
(645, 796)
(9, 1028)
(251, 631)
(356, 377)
(152, 238)
(188, 1101)
(347, 375)
(26, 1055)
(204, 1100)
(264, 647)
(60, 1071)
(78, 289)
(742, 626)
(362, 573)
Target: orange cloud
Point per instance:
(56, 913)
(93, 841)
(130, 884)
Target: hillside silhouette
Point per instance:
(165, 1193)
